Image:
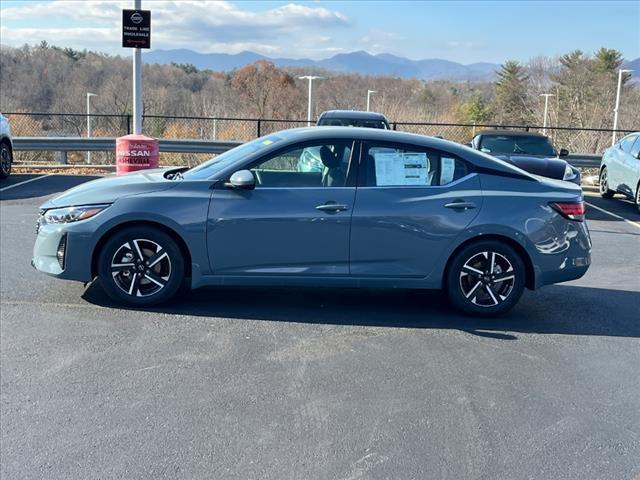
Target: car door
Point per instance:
(617, 166)
(411, 203)
(294, 222)
(630, 169)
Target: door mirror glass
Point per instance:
(242, 179)
(564, 152)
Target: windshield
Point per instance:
(354, 122)
(517, 144)
(209, 168)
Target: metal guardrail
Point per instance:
(83, 144)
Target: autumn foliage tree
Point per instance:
(269, 92)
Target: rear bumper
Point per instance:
(574, 269)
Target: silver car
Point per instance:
(620, 169)
(389, 209)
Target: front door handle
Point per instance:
(460, 205)
(332, 207)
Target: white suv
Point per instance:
(6, 147)
(620, 169)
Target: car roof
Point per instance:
(355, 114)
(304, 134)
(511, 133)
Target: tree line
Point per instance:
(46, 78)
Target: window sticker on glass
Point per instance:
(401, 168)
(447, 171)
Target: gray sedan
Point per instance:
(388, 209)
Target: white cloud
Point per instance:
(463, 44)
(205, 26)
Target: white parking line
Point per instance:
(630, 222)
(26, 181)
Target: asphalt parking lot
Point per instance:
(270, 383)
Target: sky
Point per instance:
(462, 31)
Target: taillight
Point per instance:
(571, 210)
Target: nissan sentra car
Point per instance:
(389, 209)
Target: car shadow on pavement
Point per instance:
(559, 309)
(41, 187)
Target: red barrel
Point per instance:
(136, 152)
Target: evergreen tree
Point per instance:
(510, 102)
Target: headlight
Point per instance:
(569, 174)
(72, 214)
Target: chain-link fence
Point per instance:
(576, 140)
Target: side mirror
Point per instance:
(563, 152)
(241, 180)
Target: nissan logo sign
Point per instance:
(136, 18)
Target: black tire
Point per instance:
(604, 184)
(6, 159)
(638, 197)
(472, 286)
(150, 280)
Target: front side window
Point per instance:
(627, 142)
(636, 148)
(398, 166)
(316, 165)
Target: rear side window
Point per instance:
(405, 166)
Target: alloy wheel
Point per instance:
(604, 182)
(5, 160)
(487, 279)
(141, 268)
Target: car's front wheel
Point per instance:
(638, 197)
(5, 160)
(604, 184)
(485, 278)
(141, 266)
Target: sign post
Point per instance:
(136, 34)
(135, 152)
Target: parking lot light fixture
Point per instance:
(615, 110)
(310, 78)
(546, 109)
(369, 93)
(89, 95)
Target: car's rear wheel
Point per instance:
(485, 278)
(141, 266)
(5, 160)
(604, 184)
(638, 197)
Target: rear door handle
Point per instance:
(332, 207)
(460, 205)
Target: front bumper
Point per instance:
(77, 246)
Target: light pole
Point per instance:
(546, 108)
(89, 95)
(310, 78)
(615, 110)
(369, 92)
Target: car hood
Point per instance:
(111, 188)
(552, 167)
